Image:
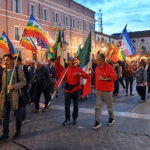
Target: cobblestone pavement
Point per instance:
(44, 131)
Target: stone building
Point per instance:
(68, 16)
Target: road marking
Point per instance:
(105, 112)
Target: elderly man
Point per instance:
(72, 89)
(10, 97)
(104, 83)
(42, 78)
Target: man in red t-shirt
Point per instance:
(72, 89)
(104, 83)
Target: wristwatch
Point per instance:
(105, 79)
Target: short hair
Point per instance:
(140, 63)
(39, 62)
(19, 58)
(8, 55)
(101, 55)
(52, 59)
(1, 59)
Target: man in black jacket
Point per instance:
(42, 78)
(147, 68)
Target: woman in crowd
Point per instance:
(141, 79)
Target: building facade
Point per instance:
(74, 19)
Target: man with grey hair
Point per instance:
(42, 77)
(104, 83)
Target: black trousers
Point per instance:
(68, 97)
(32, 93)
(6, 113)
(141, 91)
(121, 81)
(116, 87)
(129, 80)
(46, 93)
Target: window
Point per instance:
(142, 40)
(17, 34)
(74, 41)
(17, 6)
(80, 24)
(80, 41)
(45, 13)
(57, 17)
(67, 39)
(32, 10)
(73, 23)
(133, 41)
(67, 21)
(102, 39)
(92, 29)
(0, 3)
(87, 27)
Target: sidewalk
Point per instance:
(44, 131)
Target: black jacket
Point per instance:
(148, 74)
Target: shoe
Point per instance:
(17, 134)
(97, 125)
(23, 122)
(116, 94)
(126, 94)
(142, 101)
(4, 138)
(56, 96)
(66, 122)
(113, 96)
(74, 122)
(132, 94)
(45, 110)
(35, 110)
(111, 122)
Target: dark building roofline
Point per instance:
(96, 32)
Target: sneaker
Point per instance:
(141, 101)
(35, 110)
(132, 94)
(66, 122)
(23, 122)
(17, 134)
(45, 110)
(74, 122)
(126, 94)
(111, 122)
(4, 138)
(97, 125)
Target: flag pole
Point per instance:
(25, 51)
(15, 65)
(58, 86)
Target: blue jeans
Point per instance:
(6, 113)
(129, 79)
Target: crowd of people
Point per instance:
(31, 79)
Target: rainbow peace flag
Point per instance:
(34, 30)
(6, 45)
(44, 45)
(28, 43)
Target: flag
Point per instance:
(116, 54)
(128, 47)
(84, 58)
(28, 43)
(59, 61)
(6, 45)
(44, 45)
(109, 51)
(49, 55)
(34, 30)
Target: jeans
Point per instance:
(6, 113)
(46, 93)
(121, 81)
(141, 91)
(129, 79)
(68, 97)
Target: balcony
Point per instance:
(57, 25)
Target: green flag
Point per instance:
(55, 47)
(84, 55)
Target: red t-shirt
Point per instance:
(106, 71)
(72, 79)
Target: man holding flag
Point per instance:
(72, 76)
